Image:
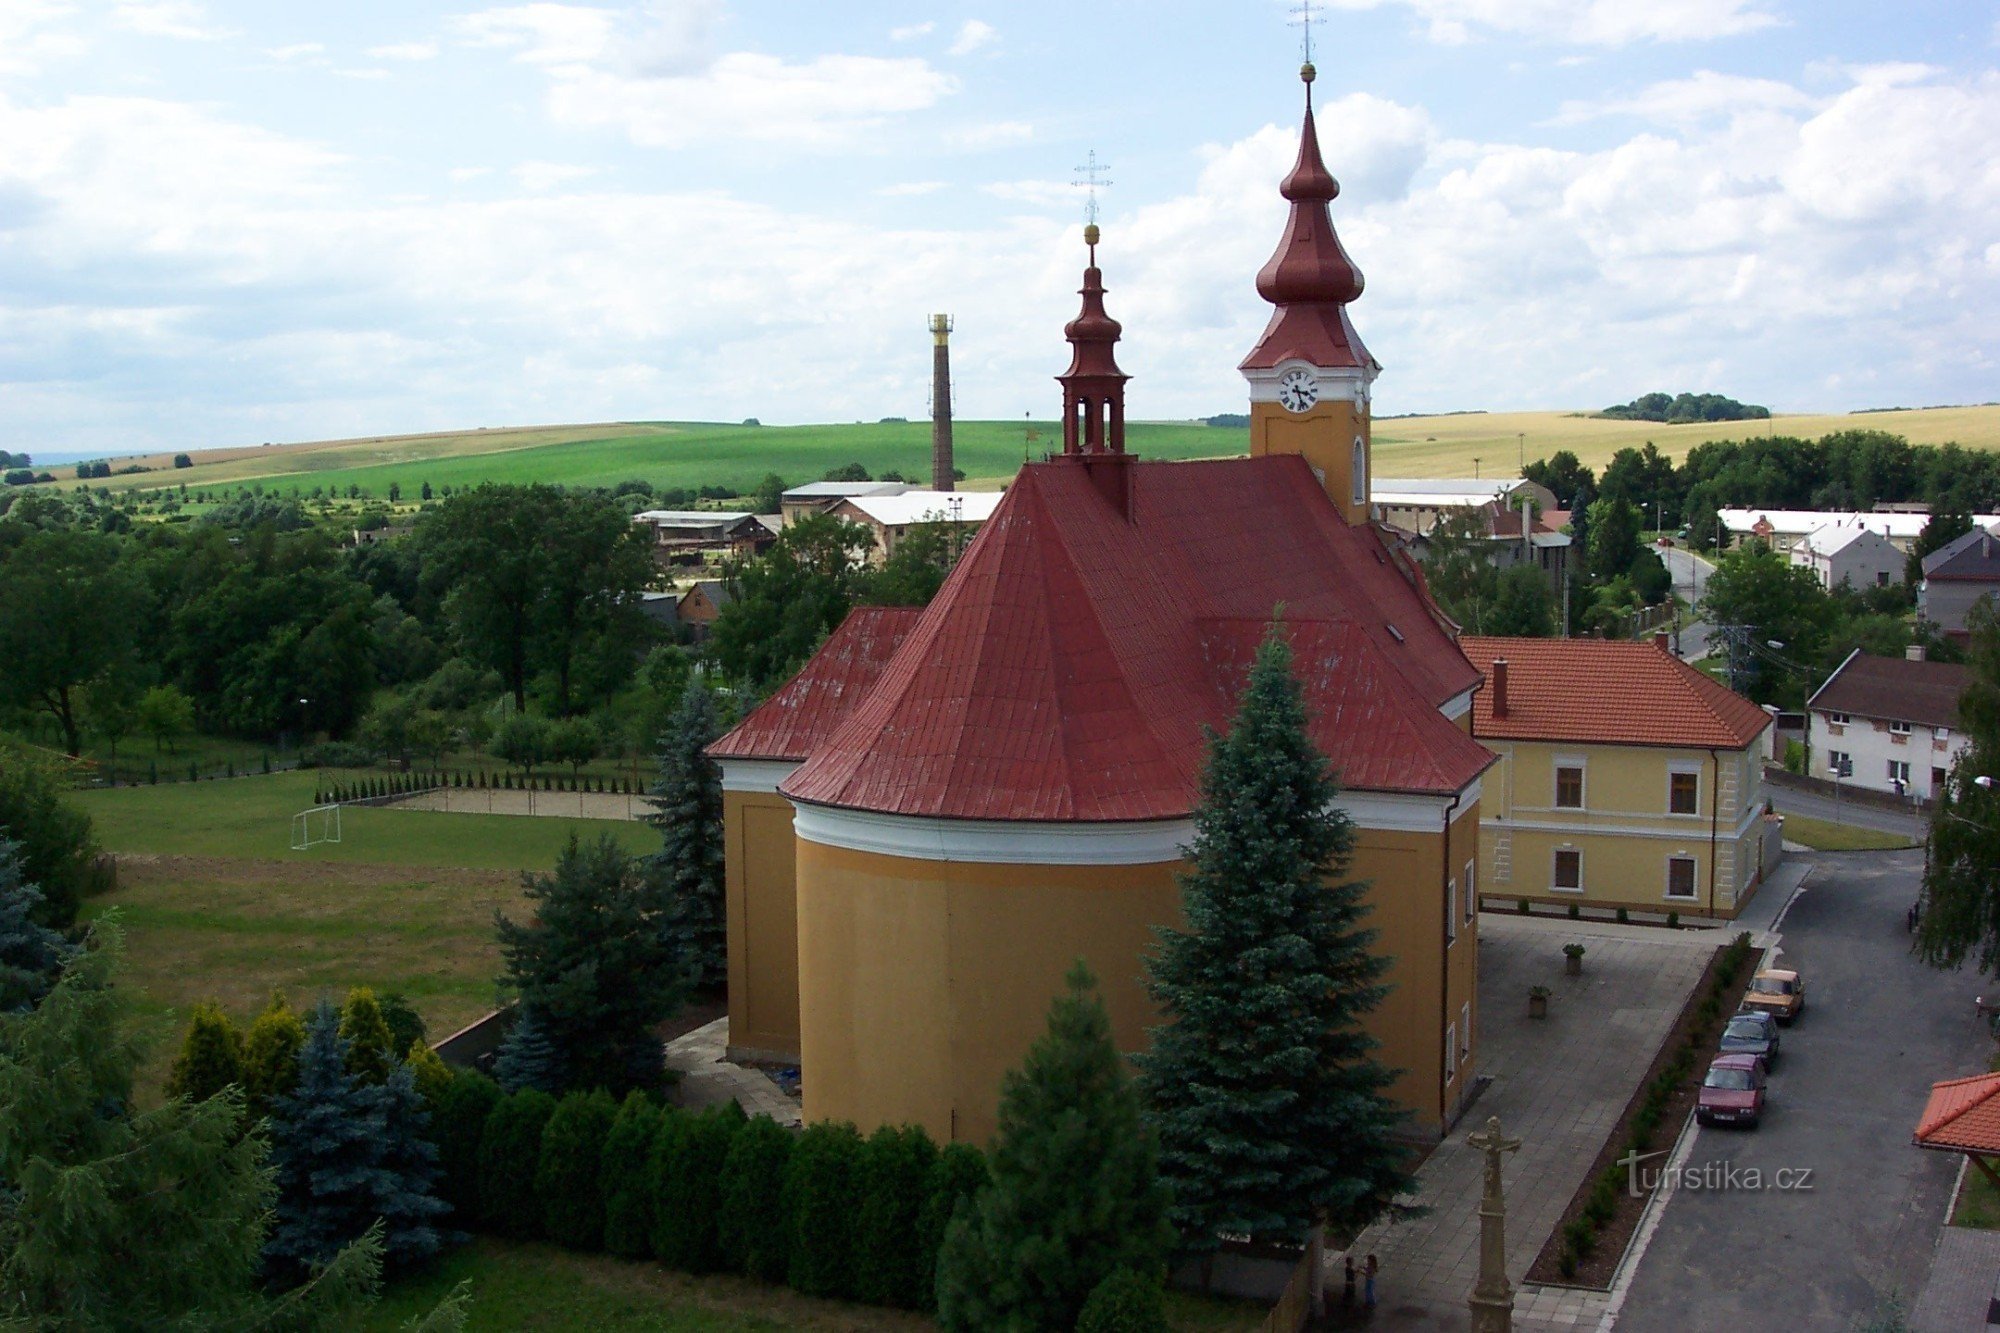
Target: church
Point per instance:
(947, 806)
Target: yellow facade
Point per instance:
(763, 927)
(922, 982)
(1333, 436)
(1622, 841)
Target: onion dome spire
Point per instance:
(1093, 386)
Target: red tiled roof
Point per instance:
(790, 723)
(1069, 665)
(1894, 689)
(1607, 692)
(1962, 1115)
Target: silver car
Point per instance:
(1752, 1033)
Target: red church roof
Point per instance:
(1070, 663)
(792, 722)
(1608, 692)
(1963, 1115)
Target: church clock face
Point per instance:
(1298, 391)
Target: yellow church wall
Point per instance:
(1325, 436)
(760, 885)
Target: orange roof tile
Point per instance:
(1607, 692)
(1962, 1115)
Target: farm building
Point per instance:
(1417, 504)
(890, 517)
(819, 497)
(691, 536)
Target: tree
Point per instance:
(1125, 1302)
(1961, 918)
(955, 1180)
(371, 1048)
(1613, 542)
(568, 1177)
(1074, 1194)
(574, 741)
(412, 1208)
(916, 569)
(628, 1198)
(1271, 1109)
(1524, 606)
(770, 494)
(510, 1149)
(527, 1057)
(165, 714)
(406, 1025)
(431, 1075)
(1563, 473)
(149, 1219)
(783, 603)
(596, 964)
(685, 1168)
(752, 1226)
(69, 615)
(687, 871)
(1768, 600)
(822, 1200)
(271, 1054)
(894, 1173)
(31, 955)
(211, 1057)
(54, 843)
(458, 1125)
(523, 739)
(111, 711)
(182, 460)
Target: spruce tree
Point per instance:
(31, 954)
(895, 1172)
(371, 1048)
(1075, 1195)
(410, 1209)
(1262, 1085)
(457, 1126)
(271, 1054)
(628, 1197)
(211, 1057)
(955, 1179)
(527, 1058)
(569, 1175)
(752, 1228)
(823, 1206)
(509, 1151)
(596, 966)
(687, 870)
(143, 1220)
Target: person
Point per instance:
(1368, 1282)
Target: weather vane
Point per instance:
(1090, 177)
(1306, 18)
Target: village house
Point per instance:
(820, 497)
(1889, 724)
(1784, 529)
(1958, 576)
(695, 536)
(699, 605)
(891, 517)
(1627, 778)
(1850, 554)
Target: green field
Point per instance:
(1820, 835)
(696, 454)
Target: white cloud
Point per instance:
(405, 51)
(180, 19)
(972, 35)
(542, 34)
(459, 175)
(912, 31)
(995, 134)
(1584, 22)
(366, 74)
(1704, 94)
(297, 51)
(910, 189)
(1037, 194)
(542, 176)
(31, 36)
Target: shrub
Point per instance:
(895, 1166)
(1125, 1302)
(336, 754)
(508, 1153)
(1673, 921)
(271, 1054)
(430, 1073)
(958, 1175)
(211, 1057)
(458, 1125)
(1566, 1261)
(628, 1202)
(1580, 1237)
(567, 1178)
(822, 1207)
(1624, 916)
(371, 1049)
(686, 1168)
(1522, 907)
(1574, 911)
(752, 1230)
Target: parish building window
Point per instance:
(1451, 913)
(1450, 1050)
(1684, 793)
(1465, 1032)
(1569, 869)
(1569, 787)
(1680, 877)
(1471, 891)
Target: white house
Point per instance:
(1858, 556)
(1418, 504)
(890, 517)
(1887, 723)
(1783, 529)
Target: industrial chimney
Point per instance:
(941, 464)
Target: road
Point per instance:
(1690, 573)
(1858, 813)
(1856, 1067)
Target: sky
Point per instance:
(230, 222)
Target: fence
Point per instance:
(1301, 1298)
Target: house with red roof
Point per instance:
(1626, 778)
(947, 807)
(1962, 1116)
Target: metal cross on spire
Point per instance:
(1305, 20)
(1090, 177)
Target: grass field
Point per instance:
(695, 454)
(523, 1287)
(1823, 836)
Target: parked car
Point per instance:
(1733, 1092)
(1752, 1032)
(1777, 992)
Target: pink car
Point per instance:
(1733, 1092)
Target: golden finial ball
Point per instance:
(1090, 234)
(1307, 72)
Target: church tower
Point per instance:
(1309, 374)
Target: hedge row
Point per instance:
(1579, 1234)
(407, 784)
(823, 1210)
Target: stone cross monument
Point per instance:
(1492, 1299)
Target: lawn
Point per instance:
(517, 1286)
(1978, 1202)
(1822, 836)
(252, 817)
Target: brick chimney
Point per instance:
(1662, 640)
(1499, 687)
(942, 467)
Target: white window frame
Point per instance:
(1465, 1032)
(1839, 759)
(1694, 880)
(1899, 728)
(1471, 891)
(1941, 733)
(1450, 913)
(1555, 860)
(1904, 775)
(1450, 1051)
(1684, 770)
(1840, 719)
(1358, 464)
(1565, 761)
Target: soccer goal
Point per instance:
(315, 826)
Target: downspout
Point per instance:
(1444, 951)
(1714, 821)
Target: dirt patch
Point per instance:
(1598, 1270)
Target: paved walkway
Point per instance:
(1963, 1285)
(1560, 1084)
(709, 1080)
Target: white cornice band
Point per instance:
(757, 775)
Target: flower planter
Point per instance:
(1538, 1006)
(1573, 965)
